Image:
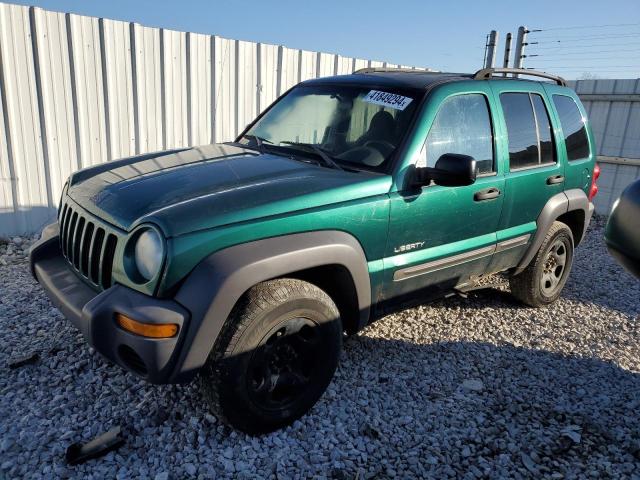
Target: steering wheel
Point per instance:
(382, 146)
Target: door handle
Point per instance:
(486, 194)
(555, 179)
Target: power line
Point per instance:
(565, 60)
(563, 47)
(590, 67)
(552, 54)
(576, 51)
(589, 32)
(612, 33)
(575, 27)
(595, 67)
(590, 37)
(600, 66)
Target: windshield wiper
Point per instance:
(328, 161)
(259, 141)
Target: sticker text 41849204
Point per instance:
(385, 99)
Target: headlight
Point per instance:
(148, 253)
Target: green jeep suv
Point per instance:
(245, 263)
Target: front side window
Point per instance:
(528, 130)
(573, 127)
(462, 125)
(355, 126)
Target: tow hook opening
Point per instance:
(132, 360)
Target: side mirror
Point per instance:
(451, 170)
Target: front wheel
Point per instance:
(544, 278)
(275, 357)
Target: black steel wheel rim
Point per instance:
(554, 267)
(282, 366)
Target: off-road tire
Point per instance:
(529, 285)
(228, 379)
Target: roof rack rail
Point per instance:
(487, 73)
(391, 69)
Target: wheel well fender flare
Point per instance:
(212, 289)
(561, 205)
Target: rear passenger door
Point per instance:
(535, 172)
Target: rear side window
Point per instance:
(573, 127)
(528, 130)
(547, 151)
(462, 125)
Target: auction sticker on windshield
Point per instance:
(385, 99)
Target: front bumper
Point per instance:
(93, 313)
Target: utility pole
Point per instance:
(521, 41)
(507, 52)
(491, 52)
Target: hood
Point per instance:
(204, 187)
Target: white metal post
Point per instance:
(491, 52)
(521, 41)
(507, 51)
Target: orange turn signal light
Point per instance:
(151, 330)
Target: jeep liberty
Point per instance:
(245, 263)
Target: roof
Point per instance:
(414, 79)
(422, 80)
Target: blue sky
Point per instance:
(446, 35)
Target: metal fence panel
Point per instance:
(199, 88)
(247, 78)
(8, 217)
(290, 69)
(308, 65)
(326, 64)
(32, 188)
(119, 89)
(225, 89)
(55, 97)
(613, 107)
(174, 94)
(344, 65)
(77, 91)
(268, 85)
(87, 60)
(149, 114)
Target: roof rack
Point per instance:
(391, 69)
(487, 73)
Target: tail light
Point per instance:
(593, 191)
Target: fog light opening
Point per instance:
(149, 330)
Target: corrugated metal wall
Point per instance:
(77, 91)
(614, 110)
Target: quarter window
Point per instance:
(462, 125)
(528, 130)
(573, 127)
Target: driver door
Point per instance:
(439, 236)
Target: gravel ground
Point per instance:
(468, 388)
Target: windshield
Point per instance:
(355, 126)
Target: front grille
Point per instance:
(88, 245)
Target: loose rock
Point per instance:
(460, 388)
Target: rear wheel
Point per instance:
(275, 357)
(541, 283)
